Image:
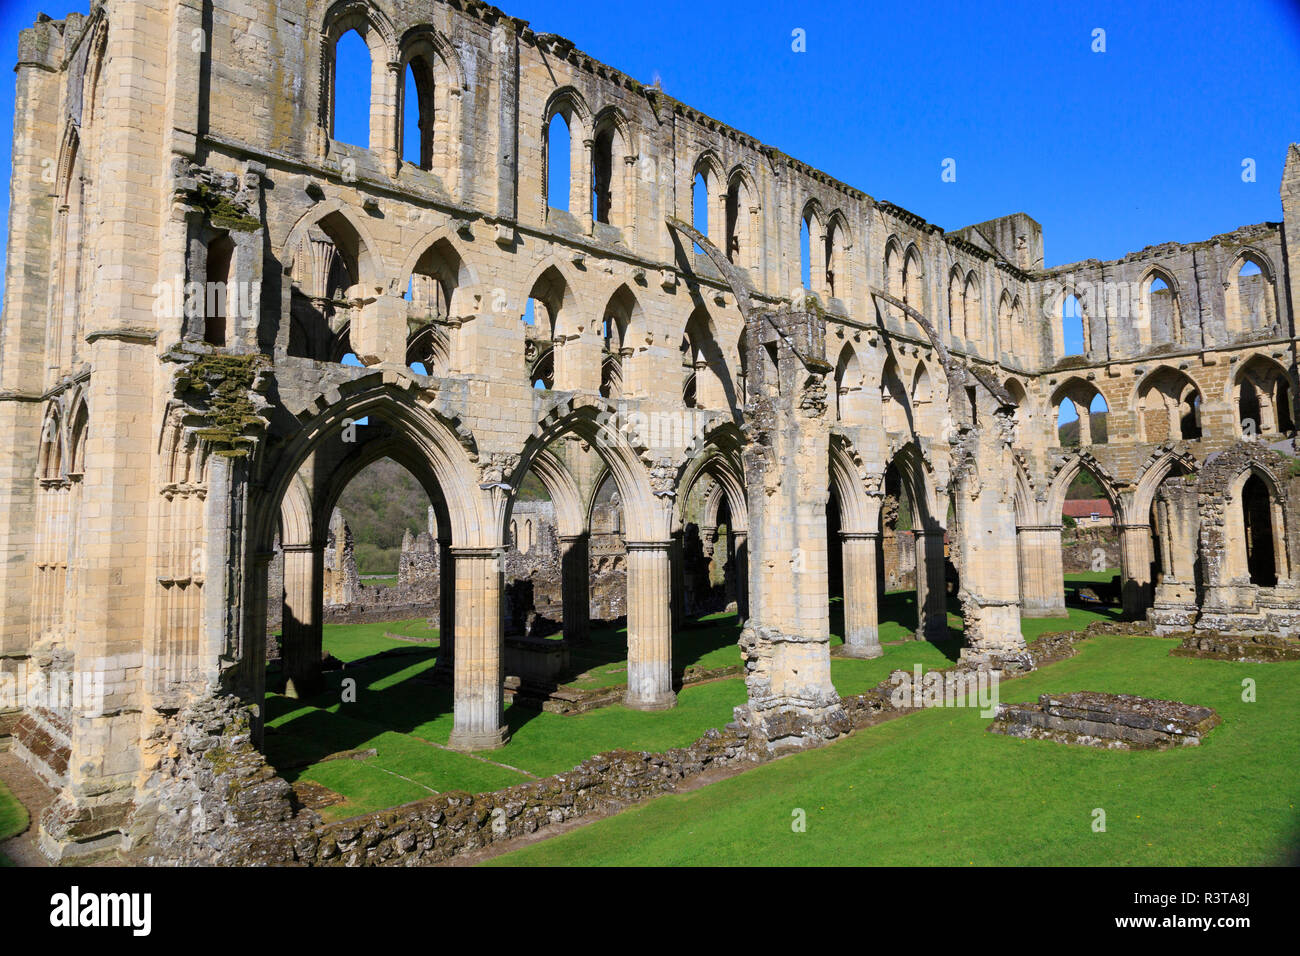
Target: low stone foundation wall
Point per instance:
(8, 722)
(42, 739)
(379, 613)
(1111, 721)
(1258, 648)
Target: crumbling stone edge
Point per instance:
(214, 800)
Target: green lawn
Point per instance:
(13, 819)
(709, 642)
(935, 788)
(405, 717)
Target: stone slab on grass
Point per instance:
(1111, 721)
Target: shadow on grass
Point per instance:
(384, 701)
(396, 692)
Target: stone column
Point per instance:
(445, 666)
(1174, 601)
(476, 686)
(1135, 551)
(580, 177)
(302, 639)
(861, 630)
(739, 542)
(384, 118)
(1042, 581)
(676, 557)
(931, 587)
(575, 585)
(649, 626)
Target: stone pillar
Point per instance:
(785, 642)
(1174, 602)
(580, 179)
(476, 686)
(445, 666)
(649, 626)
(738, 541)
(575, 586)
(677, 559)
(861, 630)
(1042, 580)
(1135, 551)
(931, 586)
(384, 116)
(302, 639)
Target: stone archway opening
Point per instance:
(1091, 549)
(897, 557)
(1258, 533)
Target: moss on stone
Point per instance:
(223, 384)
(222, 211)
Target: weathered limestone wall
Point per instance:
(158, 452)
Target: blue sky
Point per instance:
(1110, 151)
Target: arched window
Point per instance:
(602, 176)
(836, 261)
(1081, 414)
(805, 255)
(1024, 413)
(1249, 298)
(701, 361)
(740, 234)
(700, 204)
(1263, 396)
(956, 305)
(558, 165)
(1006, 335)
(217, 305)
(1169, 407)
(914, 280)
(1074, 334)
(893, 270)
(849, 405)
(417, 110)
(894, 410)
(1257, 525)
(1162, 318)
(351, 92)
(971, 309)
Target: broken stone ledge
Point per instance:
(1110, 721)
(1255, 648)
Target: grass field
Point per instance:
(935, 788)
(406, 719)
(13, 819)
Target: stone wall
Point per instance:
(153, 453)
(1090, 549)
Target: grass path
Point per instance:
(13, 819)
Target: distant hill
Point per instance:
(1069, 432)
(384, 501)
(380, 505)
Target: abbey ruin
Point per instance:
(192, 254)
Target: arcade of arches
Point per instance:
(192, 375)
